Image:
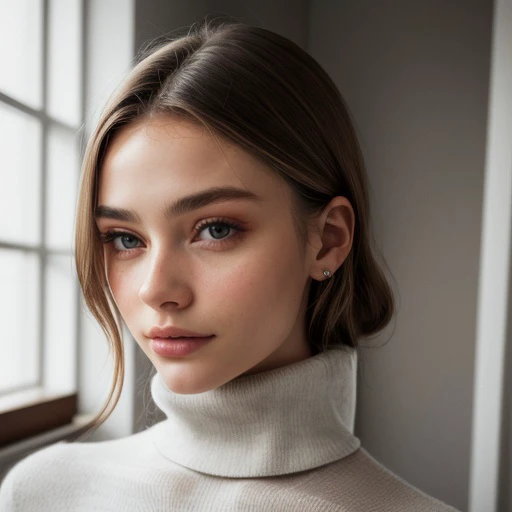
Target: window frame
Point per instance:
(30, 410)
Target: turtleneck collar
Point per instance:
(289, 419)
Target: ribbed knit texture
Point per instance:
(240, 429)
(281, 440)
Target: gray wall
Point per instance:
(287, 17)
(416, 77)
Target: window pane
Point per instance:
(21, 50)
(60, 331)
(20, 176)
(19, 297)
(64, 60)
(62, 186)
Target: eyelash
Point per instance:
(110, 236)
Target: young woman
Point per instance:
(223, 217)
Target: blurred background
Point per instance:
(429, 84)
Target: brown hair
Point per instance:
(264, 93)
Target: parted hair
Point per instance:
(264, 93)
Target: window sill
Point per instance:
(14, 452)
(34, 411)
(25, 398)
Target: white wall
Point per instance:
(491, 430)
(416, 77)
(108, 59)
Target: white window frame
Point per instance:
(23, 401)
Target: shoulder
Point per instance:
(39, 460)
(359, 483)
(65, 470)
(30, 476)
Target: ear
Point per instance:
(334, 235)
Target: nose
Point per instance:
(165, 284)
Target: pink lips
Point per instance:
(168, 331)
(168, 347)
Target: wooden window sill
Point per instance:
(15, 452)
(32, 412)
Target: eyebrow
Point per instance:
(182, 205)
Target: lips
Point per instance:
(178, 337)
(181, 338)
(178, 347)
(174, 332)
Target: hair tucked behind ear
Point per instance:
(264, 93)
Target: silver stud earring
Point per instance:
(327, 273)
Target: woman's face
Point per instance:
(243, 279)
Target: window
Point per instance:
(41, 112)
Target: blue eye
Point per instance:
(113, 236)
(215, 232)
(129, 239)
(218, 229)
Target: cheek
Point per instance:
(267, 282)
(121, 286)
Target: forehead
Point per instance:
(173, 157)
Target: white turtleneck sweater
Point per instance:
(280, 440)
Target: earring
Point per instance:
(327, 273)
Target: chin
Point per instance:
(186, 383)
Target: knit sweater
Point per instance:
(280, 440)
